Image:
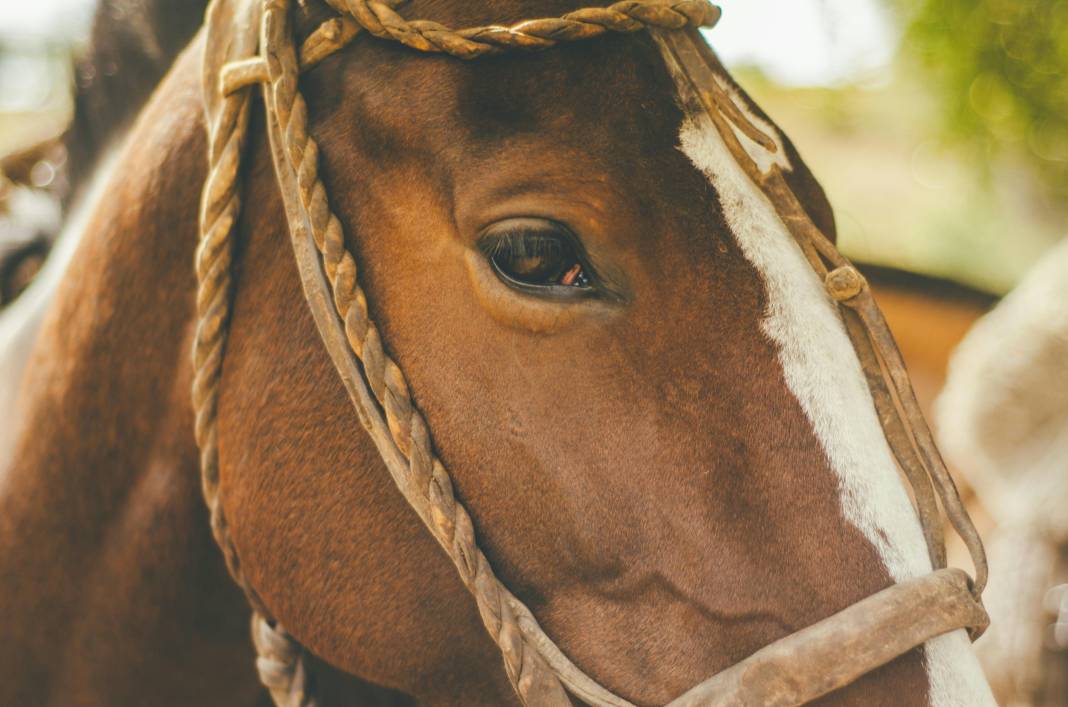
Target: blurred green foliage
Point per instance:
(1002, 69)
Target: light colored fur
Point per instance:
(1003, 420)
(1003, 414)
(823, 372)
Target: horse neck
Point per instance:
(101, 520)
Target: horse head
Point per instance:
(596, 338)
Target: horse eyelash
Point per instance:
(523, 244)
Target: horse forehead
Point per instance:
(614, 90)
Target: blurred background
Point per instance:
(37, 43)
(939, 129)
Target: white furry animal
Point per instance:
(1003, 419)
(1003, 414)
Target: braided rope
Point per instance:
(219, 209)
(628, 16)
(379, 17)
(279, 662)
(424, 481)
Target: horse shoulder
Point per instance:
(114, 592)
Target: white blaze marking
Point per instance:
(21, 321)
(822, 371)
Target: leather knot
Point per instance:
(845, 283)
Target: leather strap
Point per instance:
(836, 651)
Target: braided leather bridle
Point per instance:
(250, 42)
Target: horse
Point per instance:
(663, 436)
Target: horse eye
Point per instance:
(537, 256)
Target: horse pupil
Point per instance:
(531, 267)
(536, 259)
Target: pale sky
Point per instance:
(797, 42)
(806, 42)
(38, 19)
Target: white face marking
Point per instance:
(20, 322)
(822, 371)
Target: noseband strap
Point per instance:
(841, 648)
(250, 42)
